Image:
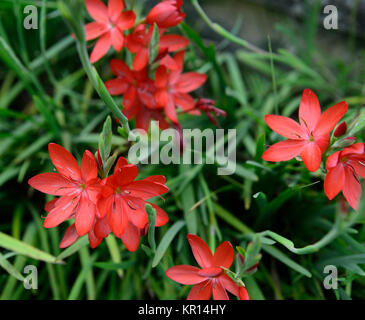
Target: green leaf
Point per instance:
(105, 141)
(165, 242)
(114, 250)
(23, 248)
(277, 254)
(73, 248)
(113, 266)
(153, 46)
(151, 212)
(10, 268)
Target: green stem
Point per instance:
(68, 12)
(223, 32)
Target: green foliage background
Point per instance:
(45, 96)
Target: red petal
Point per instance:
(118, 218)
(52, 183)
(161, 77)
(229, 284)
(169, 63)
(50, 205)
(162, 97)
(131, 237)
(70, 237)
(284, 150)
(94, 30)
(94, 240)
(359, 168)
(117, 86)
(104, 205)
(117, 39)
(352, 189)
(136, 211)
(64, 208)
(158, 178)
(130, 97)
(101, 228)
(120, 68)
(201, 291)
(311, 156)
(334, 181)
(330, 118)
(173, 42)
(85, 215)
(309, 110)
(126, 174)
(170, 110)
(126, 20)
(101, 47)
(332, 160)
(185, 274)
(210, 272)
(97, 10)
(115, 8)
(120, 163)
(244, 294)
(224, 255)
(64, 162)
(201, 251)
(190, 81)
(356, 148)
(146, 189)
(185, 101)
(284, 126)
(219, 293)
(140, 59)
(89, 167)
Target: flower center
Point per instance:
(118, 191)
(82, 186)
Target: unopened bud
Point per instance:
(340, 130)
(253, 267)
(241, 258)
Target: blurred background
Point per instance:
(45, 97)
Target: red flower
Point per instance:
(344, 167)
(138, 94)
(78, 188)
(110, 22)
(121, 203)
(139, 43)
(174, 87)
(166, 14)
(211, 277)
(310, 138)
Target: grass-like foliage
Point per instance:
(283, 228)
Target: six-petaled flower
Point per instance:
(109, 24)
(344, 168)
(210, 277)
(310, 137)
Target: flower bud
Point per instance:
(340, 130)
